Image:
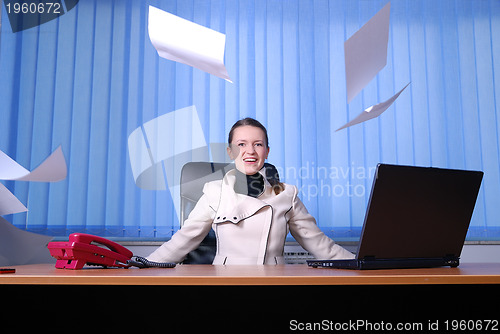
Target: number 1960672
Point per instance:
(33, 8)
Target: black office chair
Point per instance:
(194, 175)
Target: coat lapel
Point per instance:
(234, 207)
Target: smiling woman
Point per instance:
(250, 216)
(248, 146)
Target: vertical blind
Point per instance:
(89, 78)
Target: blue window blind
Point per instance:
(87, 79)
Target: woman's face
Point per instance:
(248, 149)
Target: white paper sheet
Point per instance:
(366, 52)
(9, 203)
(373, 111)
(18, 247)
(10, 169)
(186, 42)
(52, 169)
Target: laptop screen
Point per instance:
(418, 212)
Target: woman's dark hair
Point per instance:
(271, 172)
(247, 121)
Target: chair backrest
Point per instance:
(194, 175)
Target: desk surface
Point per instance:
(478, 273)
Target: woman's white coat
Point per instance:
(249, 230)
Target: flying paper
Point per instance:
(366, 52)
(9, 203)
(373, 111)
(19, 247)
(186, 42)
(52, 169)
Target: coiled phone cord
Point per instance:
(142, 262)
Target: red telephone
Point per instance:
(82, 249)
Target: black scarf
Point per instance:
(250, 185)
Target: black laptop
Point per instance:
(416, 217)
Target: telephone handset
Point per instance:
(83, 249)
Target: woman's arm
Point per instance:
(304, 229)
(189, 237)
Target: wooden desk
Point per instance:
(208, 275)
